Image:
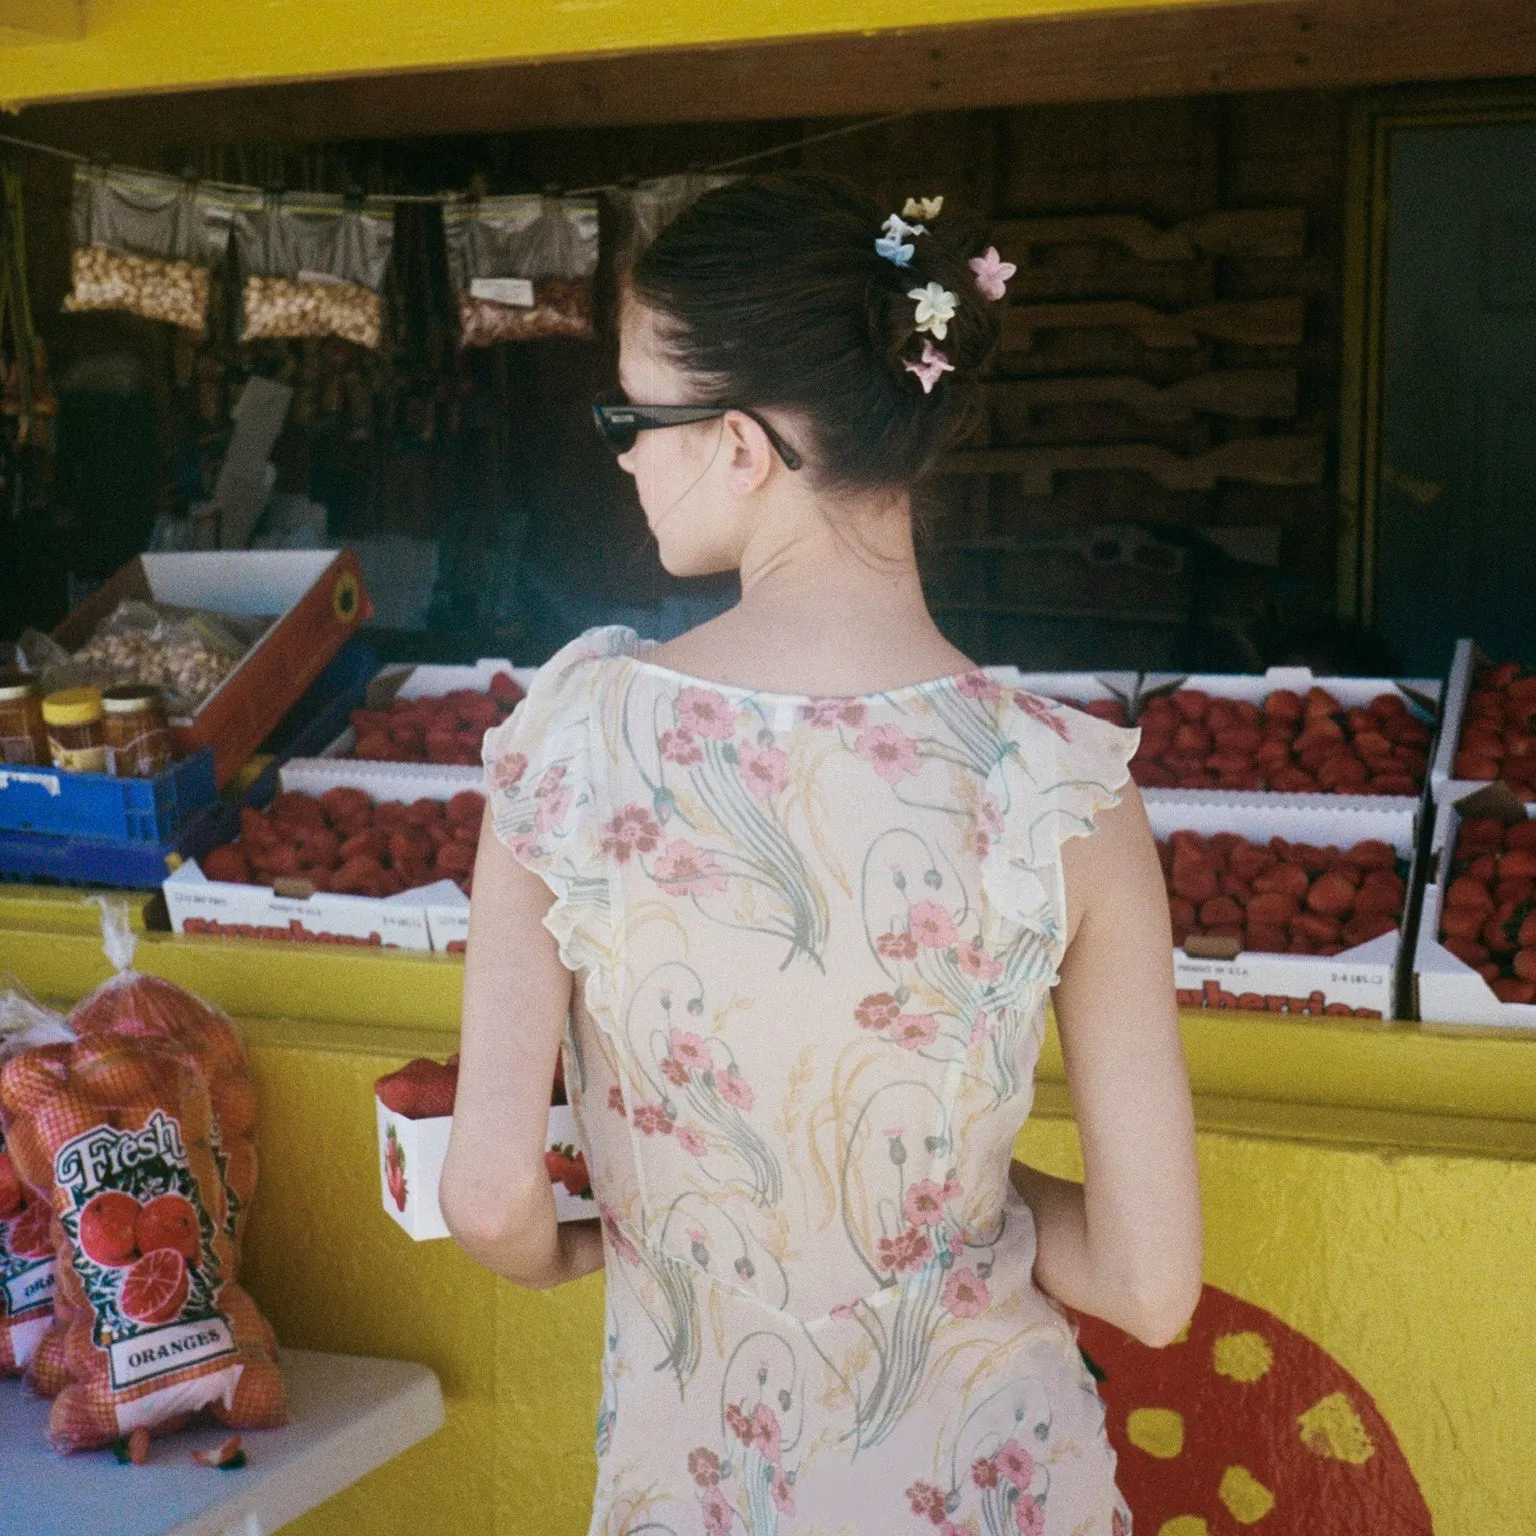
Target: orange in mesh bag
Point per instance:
(122, 1134)
(26, 1217)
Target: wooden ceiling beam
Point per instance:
(1194, 50)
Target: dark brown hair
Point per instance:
(770, 293)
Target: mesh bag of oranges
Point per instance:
(26, 1234)
(121, 1134)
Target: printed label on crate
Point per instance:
(1264, 986)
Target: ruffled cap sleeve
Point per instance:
(1058, 769)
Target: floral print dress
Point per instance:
(815, 938)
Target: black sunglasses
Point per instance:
(619, 422)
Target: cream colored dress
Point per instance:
(815, 939)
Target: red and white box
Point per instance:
(1421, 695)
(411, 1156)
(1361, 982)
(1445, 785)
(421, 682)
(1448, 991)
(315, 600)
(434, 916)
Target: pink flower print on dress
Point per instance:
(981, 1027)
(1016, 1464)
(684, 870)
(615, 1235)
(674, 1071)
(876, 1011)
(977, 685)
(765, 1432)
(616, 1102)
(825, 713)
(718, 1514)
(910, 1249)
(932, 926)
(781, 1493)
(549, 781)
(1029, 1516)
(912, 1030)
(989, 824)
(965, 1294)
(738, 1423)
(705, 713)
(845, 1311)
(764, 770)
(632, 830)
(1042, 711)
(734, 1090)
(984, 1472)
(704, 1467)
(690, 1141)
(927, 1499)
(508, 771)
(992, 273)
(689, 1049)
(651, 1120)
(975, 961)
(890, 753)
(923, 1204)
(552, 809)
(681, 747)
(896, 946)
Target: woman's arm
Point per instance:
(1124, 1245)
(495, 1192)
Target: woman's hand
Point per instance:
(1125, 1244)
(495, 1190)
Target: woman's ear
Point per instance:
(751, 452)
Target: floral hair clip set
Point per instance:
(936, 305)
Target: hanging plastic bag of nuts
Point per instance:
(521, 267)
(646, 209)
(146, 244)
(314, 265)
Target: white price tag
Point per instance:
(517, 291)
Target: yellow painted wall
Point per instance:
(1413, 1270)
(156, 45)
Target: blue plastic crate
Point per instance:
(97, 806)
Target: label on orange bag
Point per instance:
(143, 1250)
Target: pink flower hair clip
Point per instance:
(933, 365)
(992, 273)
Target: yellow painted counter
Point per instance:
(1374, 1188)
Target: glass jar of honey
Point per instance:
(75, 738)
(23, 737)
(138, 739)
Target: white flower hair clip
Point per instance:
(936, 307)
(922, 208)
(992, 273)
(892, 241)
(928, 371)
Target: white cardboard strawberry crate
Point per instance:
(1422, 695)
(428, 917)
(417, 1148)
(1447, 990)
(1443, 784)
(421, 682)
(1363, 982)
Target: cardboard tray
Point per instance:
(409, 920)
(1447, 991)
(1421, 693)
(423, 682)
(315, 598)
(424, 1145)
(1367, 982)
(1444, 786)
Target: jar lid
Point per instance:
(73, 706)
(15, 685)
(130, 698)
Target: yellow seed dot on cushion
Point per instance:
(1333, 1429)
(1243, 1357)
(1184, 1525)
(1157, 1431)
(1246, 1498)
